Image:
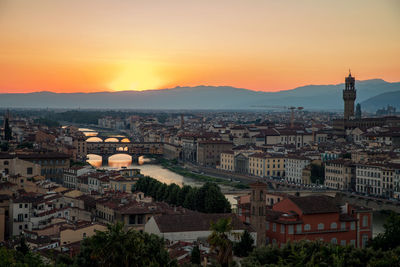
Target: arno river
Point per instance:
(153, 170)
(166, 176)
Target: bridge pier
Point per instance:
(104, 159)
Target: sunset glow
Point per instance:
(99, 45)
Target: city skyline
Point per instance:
(265, 46)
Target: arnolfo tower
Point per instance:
(349, 96)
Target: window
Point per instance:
(365, 221)
(307, 227)
(267, 226)
(321, 226)
(343, 242)
(291, 229)
(29, 170)
(84, 235)
(274, 227)
(334, 241)
(352, 226)
(343, 226)
(298, 228)
(20, 206)
(282, 229)
(353, 243)
(6, 162)
(333, 225)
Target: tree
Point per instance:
(4, 146)
(116, 247)
(219, 240)
(7, 130)
(195, 256)
(22, 247)
(245, 245)
(317, 173)
(390, 239)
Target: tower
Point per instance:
(258, 210)
(349, 96)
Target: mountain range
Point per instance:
(372, 94)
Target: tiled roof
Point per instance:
(195, 222)
(316, 204)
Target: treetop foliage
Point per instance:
(207, 199)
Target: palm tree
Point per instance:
(219, 240)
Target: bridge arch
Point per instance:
(94, 139)
(111, 139)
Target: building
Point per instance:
(227, 162)
(349, 121)
(312, 217)
(52, 163)
(318, 217)
(209, 151)
(349, 96)
(74, 233)
(20, 215)
(369, 179)
(71, 174)
(340, 174)
(192, 227)
(12, 165)
(294, 166)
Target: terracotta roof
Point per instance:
(195, 222)
(316, 204)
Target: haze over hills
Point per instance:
(327, 97)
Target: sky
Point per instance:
(263, 45)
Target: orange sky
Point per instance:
(98, 45)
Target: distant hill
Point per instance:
(382, 100)
(201, 97)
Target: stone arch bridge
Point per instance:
(107, 149)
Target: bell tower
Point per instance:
(349, 96)
(258, 211)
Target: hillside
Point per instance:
(201, 97)
(382, 100)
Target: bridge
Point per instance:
(107, 149)
(108, 139)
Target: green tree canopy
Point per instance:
(389, 239)
(116, 247)
(244, 246)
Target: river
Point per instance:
(156, 171)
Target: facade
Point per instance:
(340, 174)
(52, 164)
(294, 166)
(12, 165)
(192, 227)
(313, 217)
(227, 162)
(72, 234)
(209, 152)
(70, 177)
(369, 179)
(318, 218)
(20, 215)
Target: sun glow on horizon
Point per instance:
(137, 76)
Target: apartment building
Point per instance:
(340, 174)
(227, 162)
(209, 152)
(369, 178)
(294, 166)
